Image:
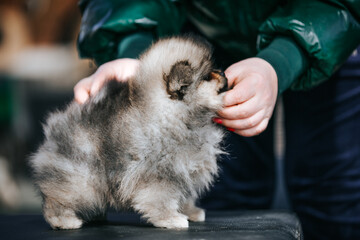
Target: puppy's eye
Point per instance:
(207, 77)
(183, 88)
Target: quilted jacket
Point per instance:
(306, 41)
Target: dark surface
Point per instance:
(252, 225)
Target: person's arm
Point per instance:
(288, 60)
(301, 45)
(112, 29)
(306, 41)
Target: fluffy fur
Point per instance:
(148, 143)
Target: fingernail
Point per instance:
(231, 129)
(217, 120)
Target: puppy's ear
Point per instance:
(178, 80)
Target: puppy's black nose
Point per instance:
(220, 76)
(225, 87)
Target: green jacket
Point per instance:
(306, 41)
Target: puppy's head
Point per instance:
(184, 67)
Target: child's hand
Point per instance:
(250, 102)
(120, 70)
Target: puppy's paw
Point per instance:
(197, 215)
(175, 222)
(68, 221)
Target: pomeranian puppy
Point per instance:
(148, 144)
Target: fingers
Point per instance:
(247, 127)
(254, 131)
(246, 119)
(245, 123)
(241, 111)
(97, 82)
(239, 94)
(235, 73)
(249, 104)
(89, 86)
(120, 70)
(129, 68)
(98, 79)
(82, 90)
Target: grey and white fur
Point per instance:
(148, 144)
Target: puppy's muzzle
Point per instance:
(222, 80)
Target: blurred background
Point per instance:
(39, 65)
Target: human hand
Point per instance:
(250, 102)
(120, 70)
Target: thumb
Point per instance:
(82, 90)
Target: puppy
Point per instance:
(148, 144)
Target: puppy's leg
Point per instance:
(159, 204)
(72, 192)
(69, 207)
(59, 216)
(194, 213)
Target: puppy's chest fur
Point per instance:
(164, 143)
(132, 141)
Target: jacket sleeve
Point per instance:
(314, 38)
(112, 29)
